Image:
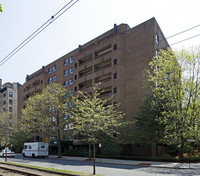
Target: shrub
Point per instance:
(111, 149)
(166, 155)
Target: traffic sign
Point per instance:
(191, 140)
(46, 139)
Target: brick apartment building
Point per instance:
(116, 58)
(8, 102)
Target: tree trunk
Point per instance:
(94, 170)
(59, 144)
(6, 151)
(181, 148)
(90, 151)
(59, 148)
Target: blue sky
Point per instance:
(86, 20)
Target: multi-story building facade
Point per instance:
(116, 58)
(9, 102)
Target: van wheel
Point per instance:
(24, 155)
(33, 155)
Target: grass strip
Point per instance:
(48, 169)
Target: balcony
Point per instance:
(102, 65)
(107, 91)
(103, 78)
(85, 60)
(103, 51)
(35, 83)
(85, 84)
(85, 72)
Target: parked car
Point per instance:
(8, 151)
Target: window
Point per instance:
(10, 109)
(65, 72)
(71, 70)
(157, 39)
(10, 94)
(54, 68)
(65, 127)
(75, 77)
(115, 47)
(50, 70)
(53, 109)
(4, 95)
(10, 101)
(70, 115)
(4, 102)
(71, 81)
(53, 118)
(75, 65)
(75, 89)
(65, 62)
(54, 78)
(114, 61)
(115, 76)
(71, 59)
(71, 92)
(65, 106)
(115, 90)
(65, 84)
(65, 117)
(49, 80)
(156, 54)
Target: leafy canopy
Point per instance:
(174, 80)
(94, 116)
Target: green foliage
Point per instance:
(6, 127)
(174, 79)
(111, 148)
(147, 122)
(46, 113)
(19, 137)
(188, 149)
(94, 117)
(173, 149)
(1, 8)
(17, 140)
(166, 155)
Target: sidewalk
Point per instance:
(135, 162)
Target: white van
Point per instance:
(35, 149)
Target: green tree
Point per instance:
(18, 138)
(94, 117)
(46, 113)
(147, 122)
(1, 9)
(174, 81)
(6, 128)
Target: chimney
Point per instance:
(0, 83)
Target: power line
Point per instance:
(185, 39)
(183, 31)
(38, 31)
(52, 19)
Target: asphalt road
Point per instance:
(103, 169)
